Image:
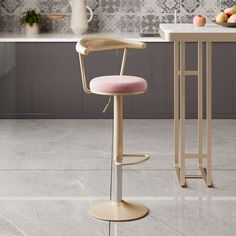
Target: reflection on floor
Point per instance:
(51, 170)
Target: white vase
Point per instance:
(79, 20)
(31, 30)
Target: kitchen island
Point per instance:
(180, 34)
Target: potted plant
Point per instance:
(31, 21)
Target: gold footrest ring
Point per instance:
(144, 157)
(118, 211)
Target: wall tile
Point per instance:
(150, 23)
(130, 6)
(167, 18)
(150, 7)
(94, 25)
(10, 15)
(113, 15)
(227, 3)
(110, 6)
(169, 5)
(190, 6)
(210, 8)
(94, 4)
(188, 9)
(186, 18)
(10, 6)
(53, 6)
(130, 24)
(32, 4)
(10, 23)
(110, 23)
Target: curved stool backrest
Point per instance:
(102, 43)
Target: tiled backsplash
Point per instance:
(112, 15)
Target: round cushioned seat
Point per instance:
(116, 84)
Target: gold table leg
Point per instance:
(176, 104)
(179, 113)
(208, 178)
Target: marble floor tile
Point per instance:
(183, 217)
(52, 170)
(155, 184)
(86, 144)
(49, 218)
(58, 144)
(87, 184)
(57, 202)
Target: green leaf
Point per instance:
(30, 17)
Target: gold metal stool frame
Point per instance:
(117, 209)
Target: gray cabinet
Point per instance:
(42, 80)
(156, 65)
(224, 80)
(15, 80)
(56, 86)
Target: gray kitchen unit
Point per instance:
(42, 80)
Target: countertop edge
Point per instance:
(68, 38)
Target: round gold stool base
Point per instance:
(118, 211)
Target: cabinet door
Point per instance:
(56, 86)
(155, 64)
(15, 80)
(223, 80)
(223, 71)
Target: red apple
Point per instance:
(199, 20)
(230, 11)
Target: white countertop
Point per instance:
(191, 33)
(51, 37)
(169, 33)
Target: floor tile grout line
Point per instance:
(3, 170)
(111, 172)
(143, 198)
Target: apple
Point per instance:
(232, 19)
(221, 17)
(199, 20)
(230, 11)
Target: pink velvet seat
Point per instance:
(116, 84)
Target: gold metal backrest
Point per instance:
(94, 43)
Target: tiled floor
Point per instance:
(51, 170)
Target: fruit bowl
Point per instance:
(225, 24)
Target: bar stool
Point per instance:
(116, 86)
